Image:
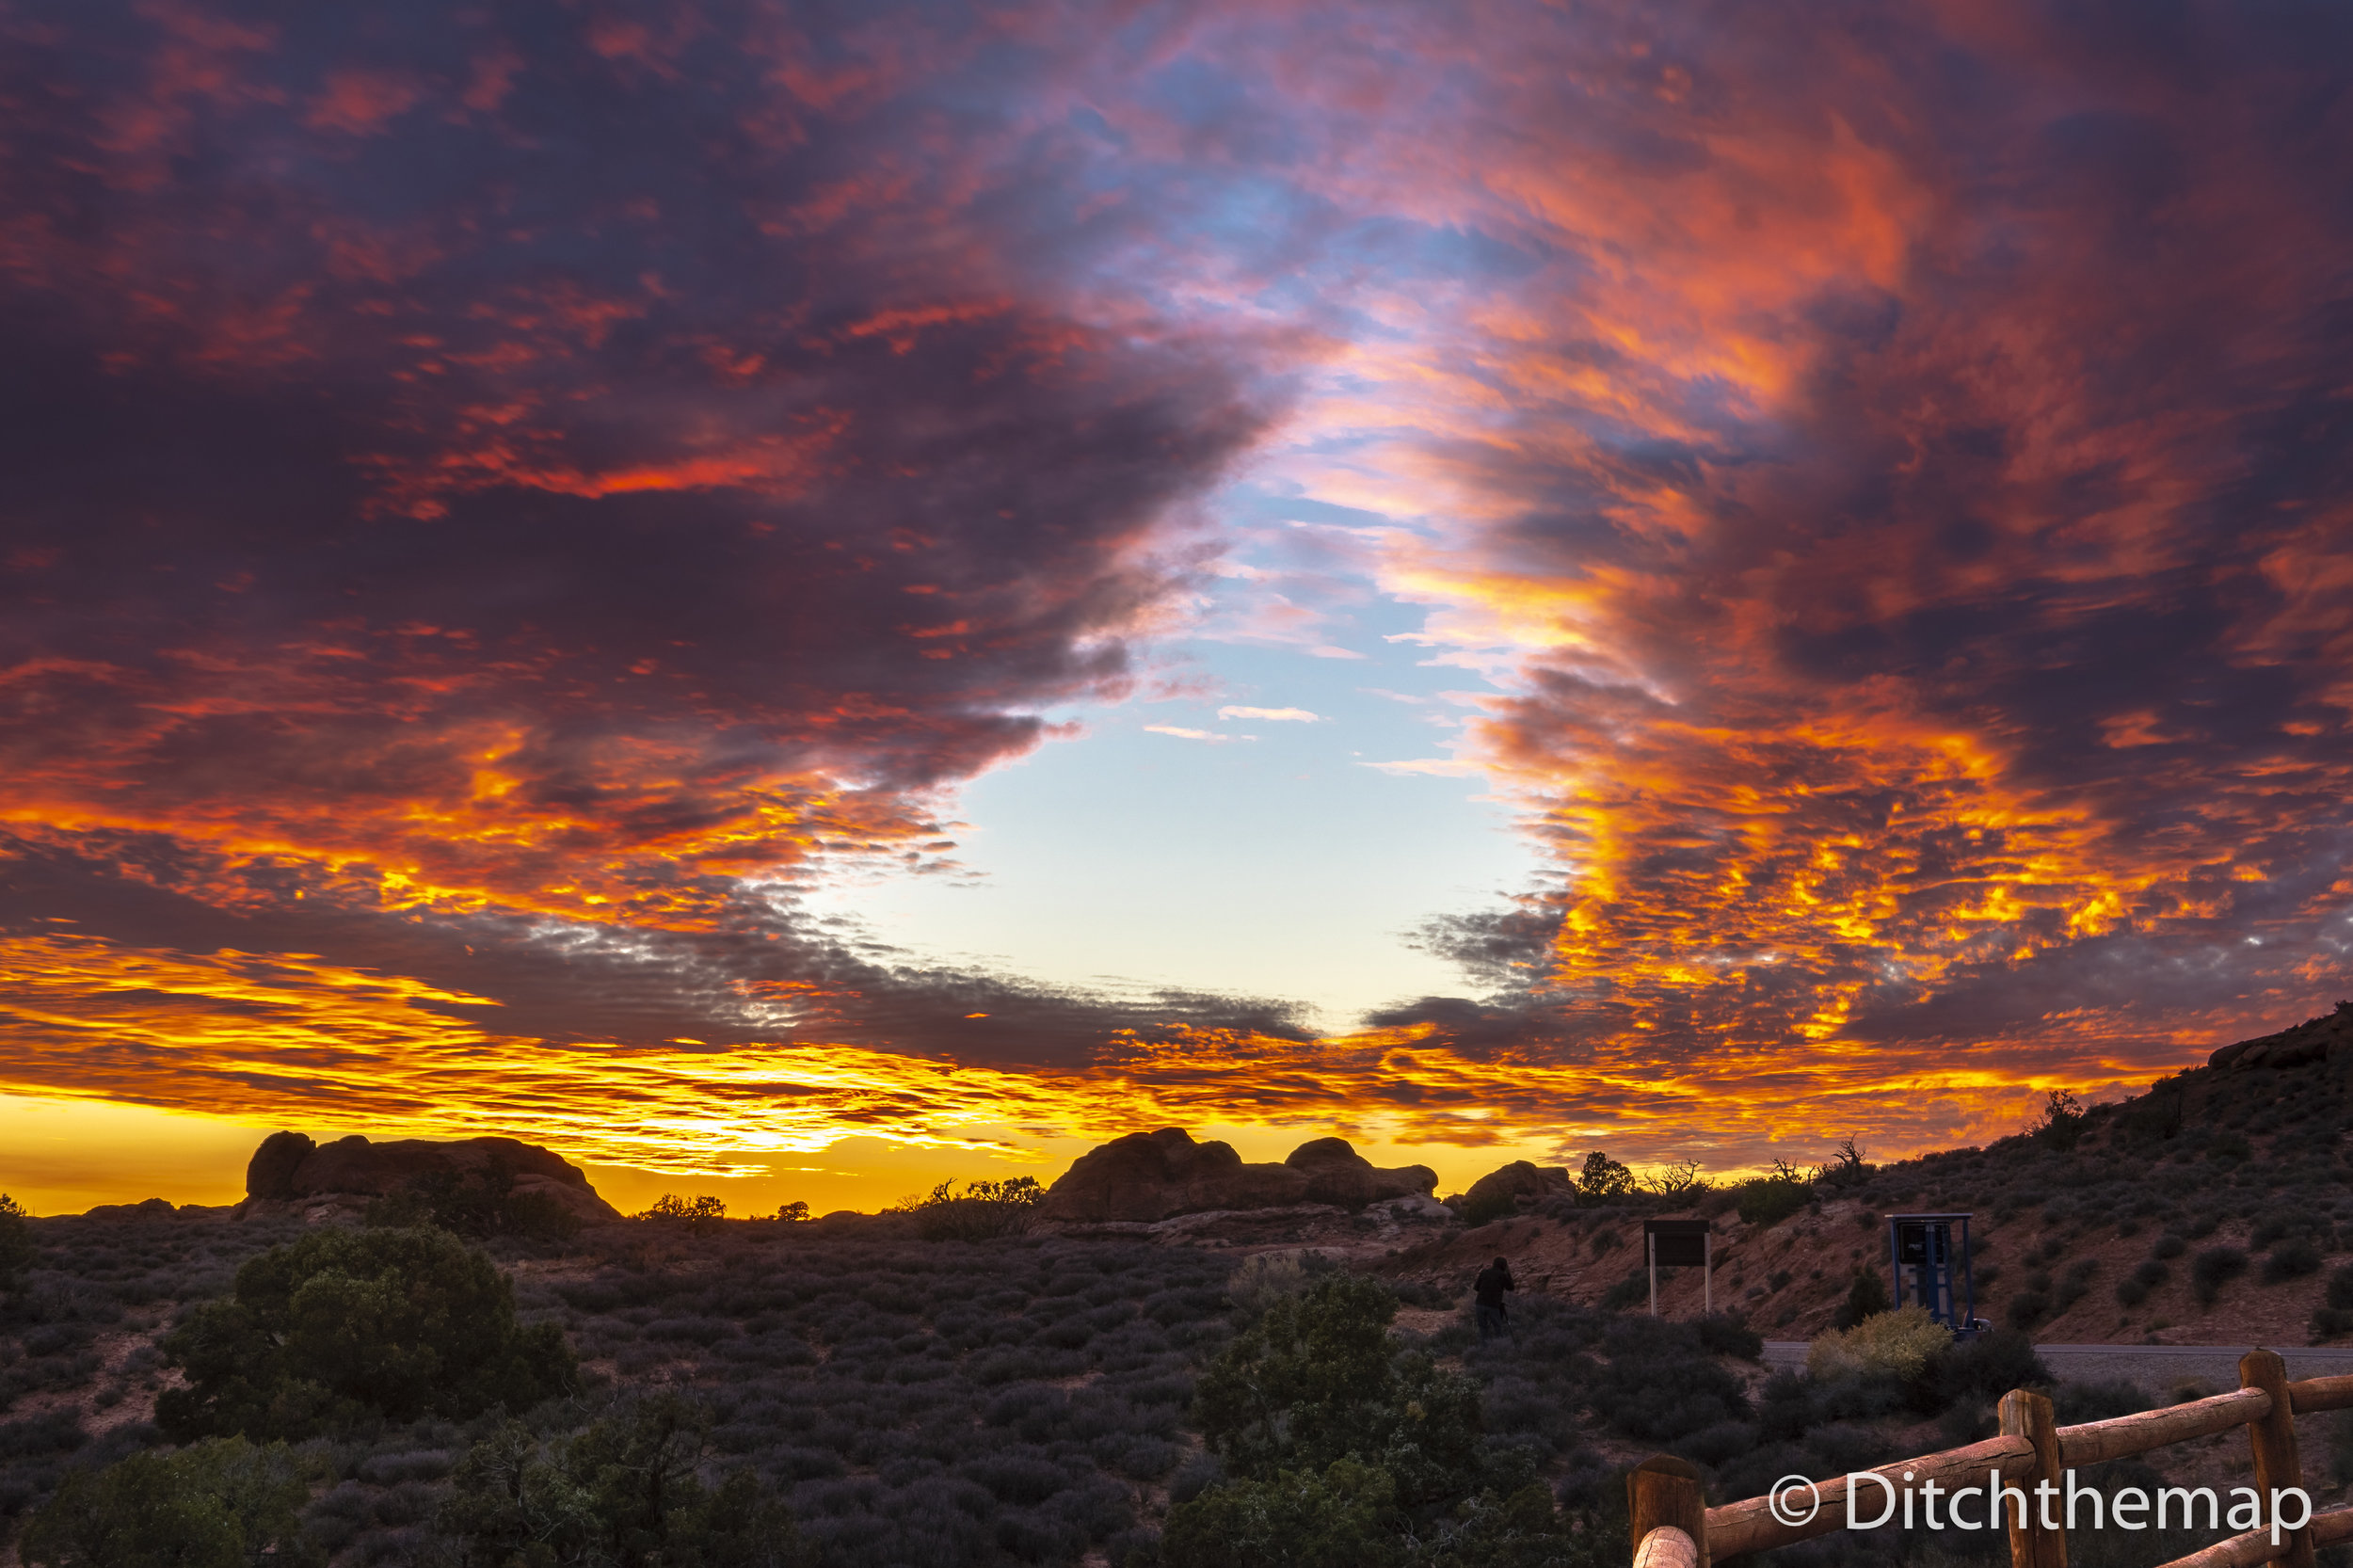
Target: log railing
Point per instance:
(1672, 1528)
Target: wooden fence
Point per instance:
(1672, 1526)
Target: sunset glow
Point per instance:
(529, 528)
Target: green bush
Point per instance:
(1627, 1291)
(344, 1325)
(219, 1504)
(1766, 1201)
(1340, 1450)
(625, 1492)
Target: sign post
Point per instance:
(1680, 1244)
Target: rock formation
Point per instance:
(289, 1168)
(1519, 1180)
(1154, 1175)
(2313, 1040)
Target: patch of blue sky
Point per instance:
(1170, 847)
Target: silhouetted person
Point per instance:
(1489, 1288)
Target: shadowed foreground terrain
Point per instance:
(1030, 1398)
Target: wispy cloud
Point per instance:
(1276, 715)
(1213, 737)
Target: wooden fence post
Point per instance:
(2273, 1438)
(2027, 1415)
(1666, 1490)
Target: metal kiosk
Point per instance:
(1680, 1244)
(1929, 1255)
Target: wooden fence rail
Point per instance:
(1672, 1528)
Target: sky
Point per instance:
(795, 601)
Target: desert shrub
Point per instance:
(795, 1213)
(625, 1492)
(1846, 1168)
(2169, 1245)
(1265, 1276)
(2099, 1399)
(984, 1210)
(1766, 1201)
(1659, 1383)
(1486, 1208)
(223, 1503)
(2213, 1269)
(344, 1325)
(1988, 1365)
(2074, 1284)
(2061, 1125)
(2334, 1315)
(1626, 1292)
(2290, 1261)
(1901, 1344)
(1331, 1442)
(1722, 1334)
(2027, 1308)
(16, 1243)
(1865, 1298)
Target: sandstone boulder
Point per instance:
(289, 1167)
(1502, 1189)
(1155, 1175)
(1338, 1174)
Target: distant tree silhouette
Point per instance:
(1603, 1178)
(983, 1211)
(697, 1214)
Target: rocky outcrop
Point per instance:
(288, 1168)
(1147, 1177)
(1338, 1174)
(2313, 1040)
(1518, 1180)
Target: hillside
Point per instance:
(2241, 1164)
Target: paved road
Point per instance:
(2154, 1365)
